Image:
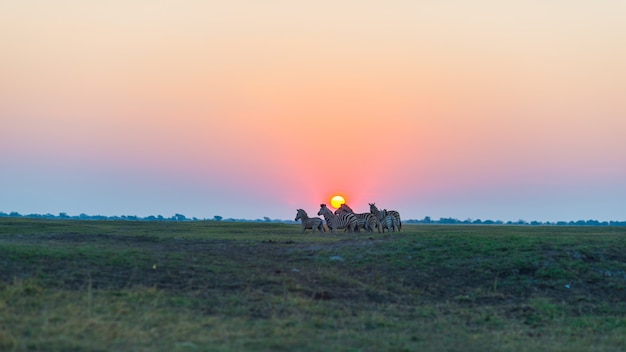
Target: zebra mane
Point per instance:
(346, 207)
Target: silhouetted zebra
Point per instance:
(365, 220)
(340, 221)
(309, 223)
(374, 210)
(388, 221)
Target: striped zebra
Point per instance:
(366, 221)
(388, 221)
(340, 221)
(309, 223)
(374, 210)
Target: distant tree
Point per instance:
(15, 214)
(448, 221)
(63, 215)
(217, 218)
(427, 220)
(266, 219)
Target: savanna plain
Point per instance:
(71, 285)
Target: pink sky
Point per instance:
(482, 109)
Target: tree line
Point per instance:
(428, 220)
(425, 220)
(175, 217)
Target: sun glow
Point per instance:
(336, 201)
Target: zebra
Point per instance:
(309, 223)
(388, 221)
(366, 221)
(339, 221)
(374, 210)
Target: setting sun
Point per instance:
(336, 201)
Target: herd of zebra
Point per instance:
(345, 218)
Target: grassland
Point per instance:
(212, 286)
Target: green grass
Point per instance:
(196, 286)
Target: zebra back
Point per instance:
(366, 221)
(339, 221)
(388, 221)
(374, 210)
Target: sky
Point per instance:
(482, 109)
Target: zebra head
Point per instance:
(324, 210)
(301, 214)
(346, 208)
(373, 208)
(341, 210)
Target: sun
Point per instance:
(336, 201)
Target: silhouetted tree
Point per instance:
(179, 217)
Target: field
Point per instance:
(215, 286)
